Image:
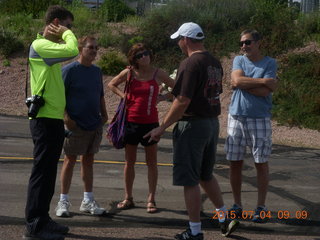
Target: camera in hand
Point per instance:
(34, 103)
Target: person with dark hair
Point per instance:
(142, 116)
(196, 108)
(46, 125)
(253, 80)
(85, 116)
(56, 11)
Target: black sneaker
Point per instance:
(43, 235)
(187, 235)
(257, 215)
(55, 227)
(235, 212)
(228, 226)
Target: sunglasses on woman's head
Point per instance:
(140, 55)
(246, 42)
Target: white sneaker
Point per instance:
(62, 209)
(91, 207)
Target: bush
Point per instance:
(9, 43)
(106, 39)
(276, 22)
(297, 100)
(33, 8)
(84, 21)
(6, 63)
(112, 63)
(222, 22)
(310, 24)
(23, 28)
(115, 10)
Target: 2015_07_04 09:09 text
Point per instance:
(281, 214)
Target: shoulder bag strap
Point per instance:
(128, 81)
(27, 70)
(155, 74)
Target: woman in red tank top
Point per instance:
(142, 117)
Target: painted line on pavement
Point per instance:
(217, 166)
(97, 161)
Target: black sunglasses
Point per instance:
(140, 55)
(93, 47)
(246, 42)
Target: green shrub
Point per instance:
(134, 40)
(115, 10)
(133, 21)
(276, 22)
(6, 63)
(297, 100)
(112, 63)
(9, 43)
(310, 24)
(85, 22)
(124, 43)
(220, 20)
(107, 39)
(23, 28)
(33, 8)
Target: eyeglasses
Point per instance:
(140, 55)
(246, 42)
(93, 47)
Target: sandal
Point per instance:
(151, 207)
(126, 204)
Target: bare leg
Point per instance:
(213, 191)
(129, 173)
(87, 171)
(151, 160)
(236, 180)
(262, 181)
(192, 199)
(66, 172)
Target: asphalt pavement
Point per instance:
(293, 198)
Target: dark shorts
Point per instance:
(194, 150)
(136, 131)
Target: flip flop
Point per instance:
(126, 204)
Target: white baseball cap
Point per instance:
(190, 30)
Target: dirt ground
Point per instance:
(12, 98)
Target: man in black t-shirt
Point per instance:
(195, 136)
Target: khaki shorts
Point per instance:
(83, 142)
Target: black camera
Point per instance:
(67, 133)
(34, 103)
